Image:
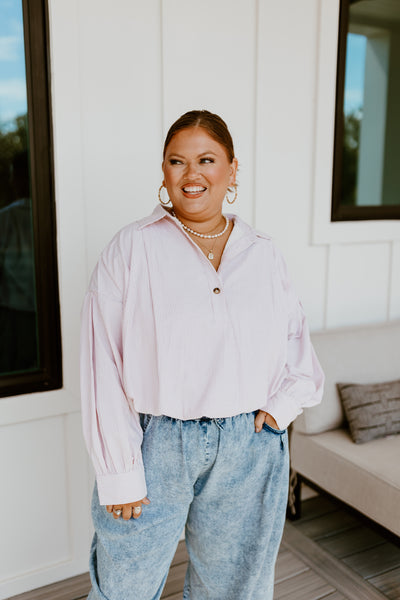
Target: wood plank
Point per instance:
(177, 572)
(388, 583)
(288, 565)
(68, 589)
(175, 580)
(341, 577)
(327, 524)
(374, 561)
(351, 541)
(335, 596)
(317, 506)
(181, 554)
(304, 586)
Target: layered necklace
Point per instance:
(207, 236)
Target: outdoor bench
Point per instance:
(365, 476)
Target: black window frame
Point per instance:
(338, 211)
(48, 376)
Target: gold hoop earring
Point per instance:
(235, 196)
(159, 197)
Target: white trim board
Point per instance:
(323, 230)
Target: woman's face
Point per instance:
(197, 173)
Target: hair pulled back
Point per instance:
(212, 123)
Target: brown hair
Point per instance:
(213, 124)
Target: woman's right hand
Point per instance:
(127, 511)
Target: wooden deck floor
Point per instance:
(360, 560)
(329, 554)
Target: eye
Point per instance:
(206, 160)
(175, 161)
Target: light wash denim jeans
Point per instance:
(224, 483)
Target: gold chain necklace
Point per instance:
(210, 253)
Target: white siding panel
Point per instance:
(121, 105)
(209, 63)
(395, 283)
(33, 519)
(43, 536)
(32, 407)
(307, 269)
(80, 483)
(358, 284)
(285, 114)
(68, 165)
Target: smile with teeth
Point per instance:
(193, 189)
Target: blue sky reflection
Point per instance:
(12, 63)
(355, 72)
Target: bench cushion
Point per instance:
(365, 476)
(369, 354)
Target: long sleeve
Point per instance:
(303, 379)
(111, 426)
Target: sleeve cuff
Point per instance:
(283, 408)
(122, 488)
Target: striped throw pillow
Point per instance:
(372, 410)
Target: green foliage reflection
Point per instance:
(13, 142)
(351, 145)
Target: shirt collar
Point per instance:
(243, 235)
(158, 213)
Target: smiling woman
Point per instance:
(199, 165)
(195, 358)
(197, 174)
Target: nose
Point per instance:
(192, 169)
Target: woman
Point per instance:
(195, 359)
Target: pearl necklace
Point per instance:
(203, 235)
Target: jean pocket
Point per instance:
(145, 421)
(267, 427)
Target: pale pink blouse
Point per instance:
(164, 333)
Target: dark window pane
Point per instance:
(18, 319)
(30, 337)
(366, 173)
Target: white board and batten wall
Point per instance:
(121, 73)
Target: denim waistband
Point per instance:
(219, 421)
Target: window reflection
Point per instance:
(18, 321)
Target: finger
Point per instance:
(269, 419)
(259, 420)
(146, 500)
(136, 511)
(117, 511)
(126, 512)
(109, 508)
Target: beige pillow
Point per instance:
(372, 410)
